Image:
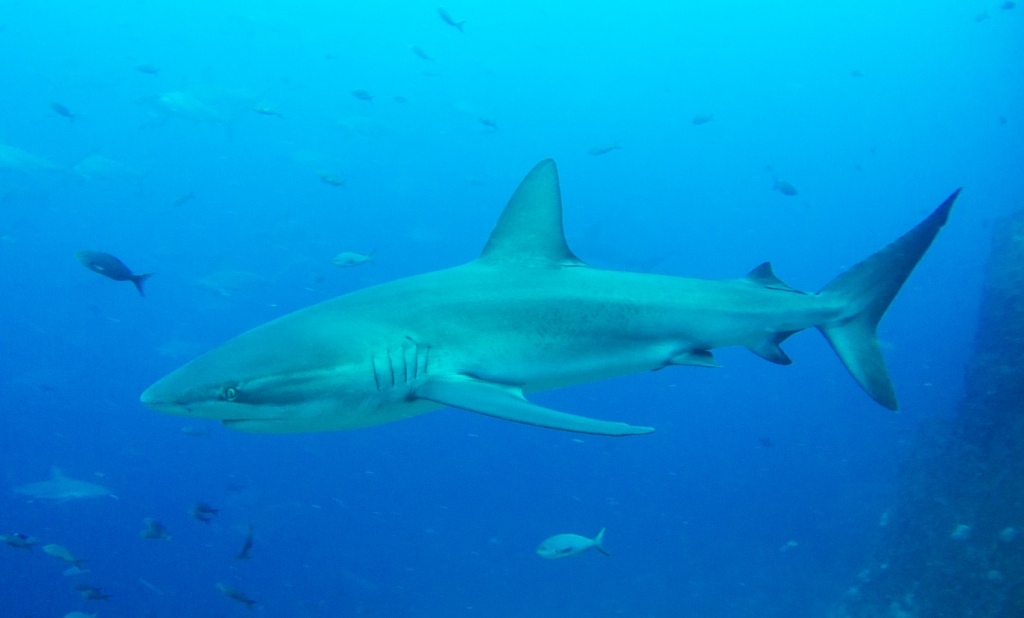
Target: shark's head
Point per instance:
(275, 378)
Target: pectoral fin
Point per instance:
(508, 403)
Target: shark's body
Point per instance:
(61, 489)
(526, 316)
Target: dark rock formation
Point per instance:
(954, 541)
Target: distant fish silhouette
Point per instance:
(419, 51)
(203, 512)
(784, 188)
(60, 488)
(601, 149)
(236, 594)
(148, 69)
(62, 110)
(155, 530)
(448, 19)
(362, 95)
(184, 198)
(111, 267)
(243, 554)
(703, 118)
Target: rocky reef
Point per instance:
(953, 543)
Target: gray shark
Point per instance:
(61, 489)
(527, 315)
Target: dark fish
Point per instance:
(91, 593)
(148, 69)
(244, 553)
(490, 123)
(419, 51)
(362, 95)
(980, 17)
(856, 73)
(601, 149)
(111, 267)
(19, 541)
(448, 19)
(765, 442)
(236, 594)
(184, 198)
(703, 118)
(1006, 6)
(784, 188)
(155, 531)
(63, 111)
(203, 512)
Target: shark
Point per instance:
(61, 489)
(527, 315)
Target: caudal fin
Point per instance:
(599, 542)
(865, 292)
(138, 280)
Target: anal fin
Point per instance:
(508, 403)
(769, 349)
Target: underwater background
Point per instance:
(234, 148)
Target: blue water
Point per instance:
(875, 112)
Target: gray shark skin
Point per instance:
(61, 489)
(526, 316)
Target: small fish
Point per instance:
(961, 533)
(331, 178)
(148, 69)
(91, 593)
(448, 19)
(419, 51)
(203, 512)
(399, 99)
(71, 572)
(601, 149)
(19, 541)
(111, 267)
(1008, 534)
(349, 259)
(565, 545)
(784, 188)
(61, 553)
(266, 110)
(243, 554)
(980, 17)
(856, 73)
(155, 530)
(788, 546)
(235, 594)
(490, 123)
(1007, 6)
(62, 110)
(703, 118)
(188, 197)
(362, 95)
(765, 442)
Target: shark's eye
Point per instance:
(230, 393)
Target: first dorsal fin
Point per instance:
(530, 228)
(764, 276)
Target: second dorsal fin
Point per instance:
(529, 230)
(765, 277)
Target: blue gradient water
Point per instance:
(875, 112)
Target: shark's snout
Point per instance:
(160, 398)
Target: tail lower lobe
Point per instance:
(138, 280)
(865, 291)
